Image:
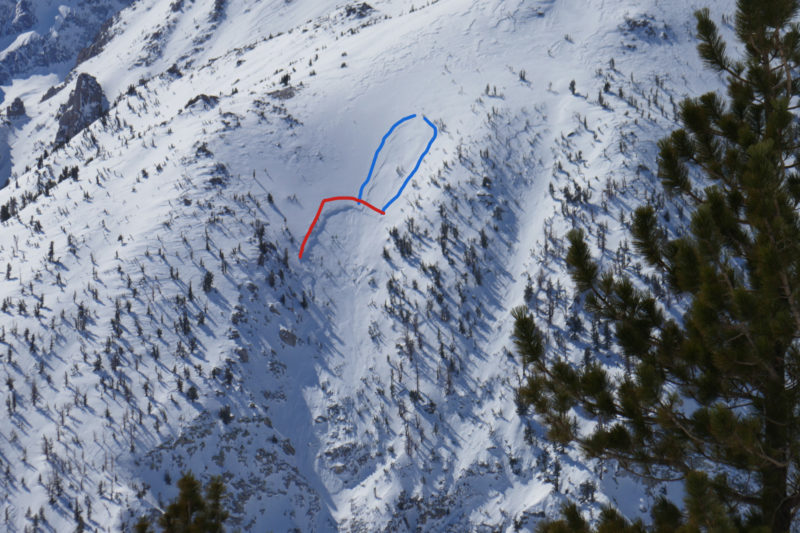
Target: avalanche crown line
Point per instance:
(358, 199)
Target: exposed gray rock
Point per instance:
(283, 94)
(86, 104)
(7, 8)
(218, 10)
(16, 109)
(206, 100)
(268, 472)
(24, 18)
(52, 91)
(99, 42)
(50, 41)
(288, 336)
(358, 11)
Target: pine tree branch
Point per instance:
(768, 458)
(733, 352)
(623, 459)
(681, 469)
(786, 68)
(731, 295)
(736, 76)
(788, 294)
(710, 172)
(792, 502)
(651, 477)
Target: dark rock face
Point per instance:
(52, 91)
(358, 11)
(86, 104)
(56, 40)
(100, 41)
(24, 19)
(7, 8)
(218, 11)
(288, 336)
(207, 101)
(16, 109)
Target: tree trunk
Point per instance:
(774, 499)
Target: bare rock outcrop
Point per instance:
(24, 17)
(16, 109)
(86, 104)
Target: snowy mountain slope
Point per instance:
(39, 43)
(369, 386)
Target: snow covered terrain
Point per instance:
(368, 386)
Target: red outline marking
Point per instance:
(319, 212)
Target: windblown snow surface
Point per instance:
(370, 385)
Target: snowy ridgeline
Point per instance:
(155, 317)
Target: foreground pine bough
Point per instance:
(713, 400)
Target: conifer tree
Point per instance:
(142, 526)
(215, 513)
(182, 515)
(190, 512)
(208, 281)
(712, 399)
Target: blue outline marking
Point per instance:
(419, 162)
(378, 151)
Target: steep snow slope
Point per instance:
(369, 386)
